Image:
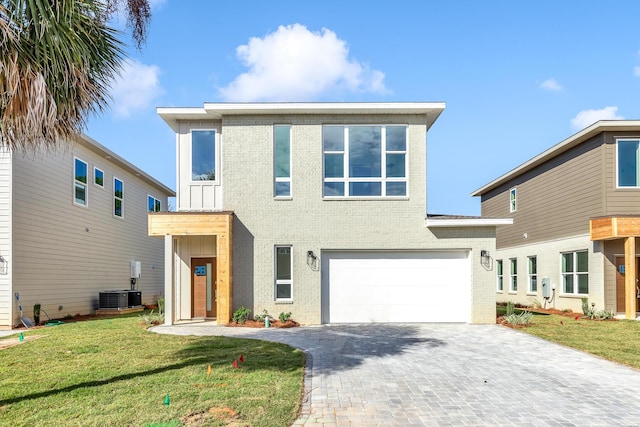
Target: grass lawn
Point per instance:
(112, 372)
(615, 340)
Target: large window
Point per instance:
(499, 276)
(532, 286)
(282, 161)
(575, 272)
(283, 267)
(513, 285)
(365, 161)
(628, 156)
(153, 204)
(118, 197)
(513, 205)
(203, 155)
(80, 182)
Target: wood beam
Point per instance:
(224, 251)
(614, 227)
(188, 223)
(630, 275)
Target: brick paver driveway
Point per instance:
(448, 374)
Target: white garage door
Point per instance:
(364, 287)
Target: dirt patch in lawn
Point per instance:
(12, 342)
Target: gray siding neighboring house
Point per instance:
(296, 241)
(61, 242)
(559, 195)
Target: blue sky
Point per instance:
(517, 77)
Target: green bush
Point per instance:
(284, 317)
(241, 315)
(523, 318)
(510, 308)
(263, 316)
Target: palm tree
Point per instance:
(58, 59)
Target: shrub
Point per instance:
(152, 319)
(510, 308)
(261, 317)
(284, 317)
(585, 306)
(241, 315)
(161, 305)
(523, 318)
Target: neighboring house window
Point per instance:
(512, 200)
(628, 161)
(513, 286)
(153, 204)
(284, 284)
(364, 161)
(80, 182)
(533, 275)
(499, 276)
(98, 177)
(575, 272)
(203, 155)
(282, 161)
(118, 197)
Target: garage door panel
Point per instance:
(396, 287)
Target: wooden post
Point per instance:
(630, 275)
(224, 253)
(169, 287)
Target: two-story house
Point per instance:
(71, 223)
(576, 210)
(318, 209)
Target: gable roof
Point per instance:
(172, 115)
(573, 141)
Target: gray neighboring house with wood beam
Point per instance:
(71, 223)
(576, 222)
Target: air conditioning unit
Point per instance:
(134, 299)
(113, 299)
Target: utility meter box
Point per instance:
(136, 269)
(546, 288)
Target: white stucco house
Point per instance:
(318, 209)
(71, 223)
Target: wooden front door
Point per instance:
(620, 299)
(203, 287)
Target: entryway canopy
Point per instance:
(628, 229)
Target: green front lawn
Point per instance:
(114, 372)
(616, 340)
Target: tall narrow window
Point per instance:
(283, 267)
(513, 286)
(364, 161)
(575, 272)
(118, 197)
(512, 200)
(532, 287)
(153, 204)
(282, 161)
(499, 276)
(80, 182)
(628, 160)
(203, 155)
(98, 177)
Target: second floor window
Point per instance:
(203, 155)
(364, 161)
(512, 200)
(80, 182)
(153, 204)
(628, 161)
(282, 161)
(118, 197)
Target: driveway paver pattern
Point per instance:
(447, 375)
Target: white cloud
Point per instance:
(551, 85)
(157, 3)
(636, 71)
(135, 89)
(295, 64)
(588, 117)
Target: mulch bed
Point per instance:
(272, 324)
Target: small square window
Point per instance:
(98, 177)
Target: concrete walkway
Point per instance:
(447, 375)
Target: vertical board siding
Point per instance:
(66, 254)
(554, 200)
(6, 292)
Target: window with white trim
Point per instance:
(575, 273)
(532, 273)
(98, 177)
(628, 163)
(512, 200)
(203, 155)
(364, 161)
(118, 198)
(499, 276)
(283, 273)
(513, 271)
(282, 160)
(153, 204)
(80, 182)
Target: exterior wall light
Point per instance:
(485, 259)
